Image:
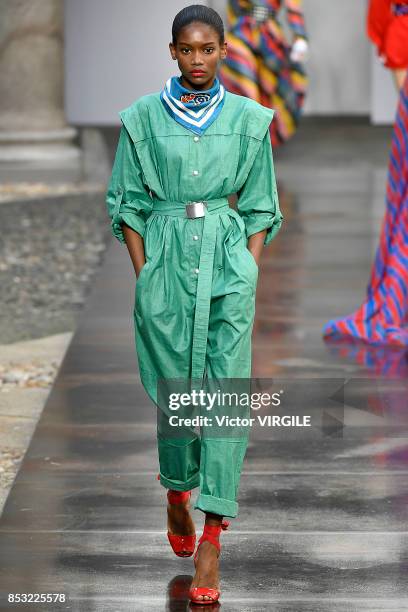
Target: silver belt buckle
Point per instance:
(196, 209)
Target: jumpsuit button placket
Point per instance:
(195, 173)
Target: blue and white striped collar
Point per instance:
(195, 110)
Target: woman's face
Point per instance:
(198, 52)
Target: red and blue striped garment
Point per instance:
(383, 317)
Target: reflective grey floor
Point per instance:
(323, 511)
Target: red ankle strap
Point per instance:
(211, 534)
(177, 497)
(215, 530)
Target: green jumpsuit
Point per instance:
(195, 295)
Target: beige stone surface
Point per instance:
(27, 372)
(42, 348)
(22, 403)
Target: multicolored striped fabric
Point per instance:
(383, 317)
(258, 63)
(384, 361)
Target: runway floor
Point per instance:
(323, 522)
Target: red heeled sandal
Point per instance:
(210, 533)
(182, 545)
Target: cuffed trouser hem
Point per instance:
(217, 505)
(179, 485)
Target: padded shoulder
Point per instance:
(251, 118)
(137, 117)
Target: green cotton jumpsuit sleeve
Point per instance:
(258, 202)
(128, 199)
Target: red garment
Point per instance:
(382, 318)
(388, 32)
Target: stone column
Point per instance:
(35, 141)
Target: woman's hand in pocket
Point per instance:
(135, 245)
(255, 245)
(140, 269)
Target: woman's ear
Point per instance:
(172, 51)
(223, 53)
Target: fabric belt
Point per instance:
(204, 282)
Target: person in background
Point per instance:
(387, 28)
(261, 64)
(382, 319)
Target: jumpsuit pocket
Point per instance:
(244, 264)
(140, 279)
(139, 290)
(149, 250)
(239, 243)
(142, 271)
(152, 256)
(252, 259)
(236, 235)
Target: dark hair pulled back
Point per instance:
(201, 13)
